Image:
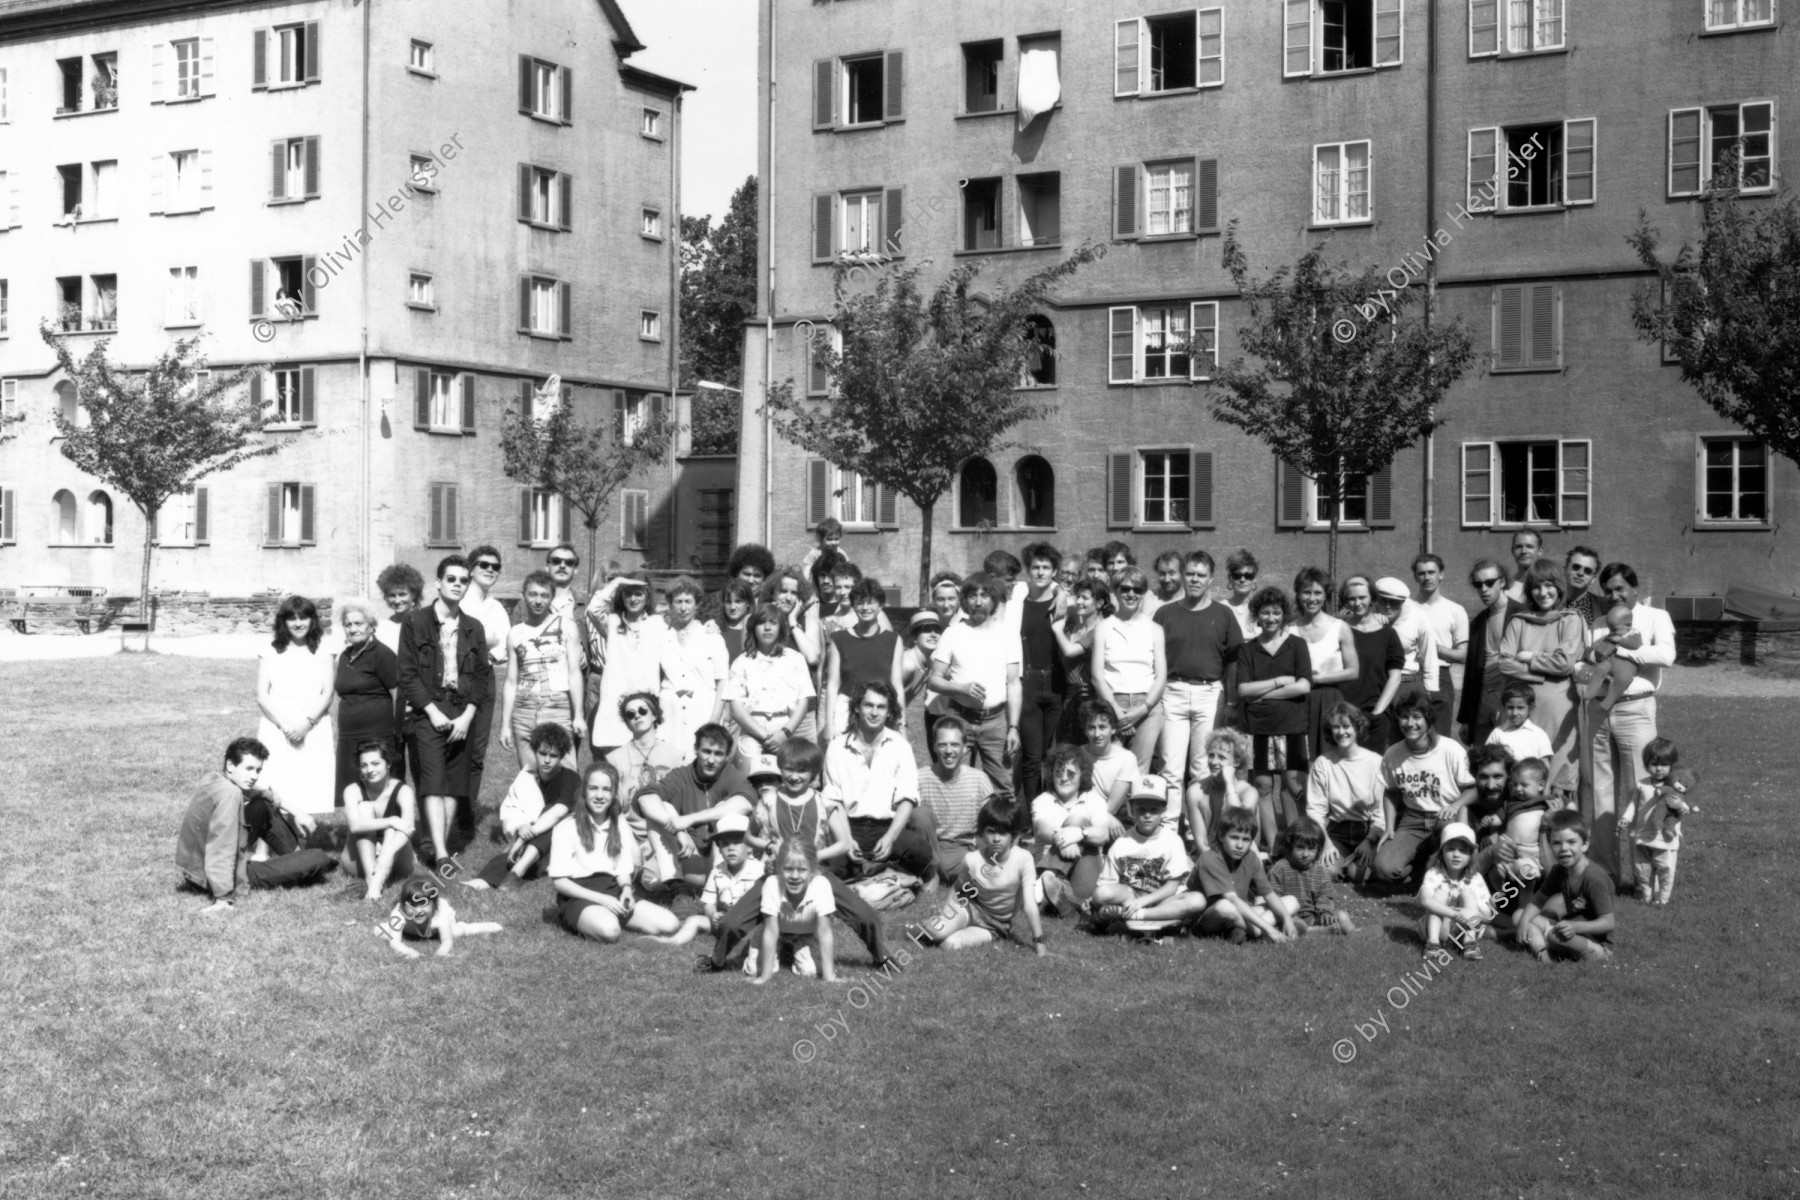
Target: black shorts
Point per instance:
(570, 908)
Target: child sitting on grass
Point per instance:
(1455, 896)
(1302, 883)
(1071, 820)
(593, 862)
(382, 815)
(732, 877)
(422, 914)
(1141, 882)
(1654, 819)
(1226, 879)
(540, 796)
(795, 808)
(797, 904)
(1515, 730)
(997, 883)
(1228, 753)
(1571, 913)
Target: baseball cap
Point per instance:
(1389, 588)
(731, 823)
(1150, 790)
(764, 768)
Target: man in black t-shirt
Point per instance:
(1201, 641)
(681, 807)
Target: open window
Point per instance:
(1332, 37)
(65, 518)
(1704, 141)
(285, 56)
(1527, 481)
(981, 214)
(1523, 167)
(288, 512)
(977, 495)
(1040, 353)
(294, 169)
(99, 523)
(1036, 483)
(546, 307)
(546, 90)
(1040, 209)
(981, 76)
(1168, 52)
(859, 90)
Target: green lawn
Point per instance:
(283, 1051)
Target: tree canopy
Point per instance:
(718, 294)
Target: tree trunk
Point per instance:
(593, 528)
(144, 576)
(1334, 494)
(925, 520)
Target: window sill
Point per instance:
(1502, 55)
(860, 127)
(443, 545)
(1346, 527)
(68, 222)
(287, 427)
(1036, 387)
(422, 190)
(80, 546)
(1153, 238)
(1167, 92)
(543, 118)
(1158, 381)
(287, 545)
(652, 237)
(1701, 526)
(1690, 197)
(1364, 223)
(422, 74)
(652, 137)
(441, 430)
(162, 545)
(1010, 110)
(654, 341)
(979, 529)
(1556, 370)
(82, 112)
(287, 201)
(1007, 249)
(1164, 527)
(417, 307)
(182, 324)
(1727, 31)
(284, 318)
(184, 99)
(542, 226)
(285, 85)
(183, 212)
(1535, 210)
(1349, 72)
(541, 336)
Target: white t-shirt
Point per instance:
(569, 860)
(769, 684)
(1130, 648)
(494, 622)
(1350, 790)
(1116, 764)
(1417, 643)
(1449, 624)
(1145, 864)
(979, 654)
(816, 903)
(1469, 895)
(1429, 782)
(1526, 742)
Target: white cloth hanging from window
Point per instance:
(1040, 87)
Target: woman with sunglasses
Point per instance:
(636, 642)
(1482, 680)
(1130, 667)
(543, 673)
(1240, 575)
(641, 763)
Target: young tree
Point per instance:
(1729, 311)
(584, 464)
(718, 294)
(922, 382)
(150, 435)
(1345, 379)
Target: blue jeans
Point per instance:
(1402, 858)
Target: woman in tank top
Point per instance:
(1331, 644)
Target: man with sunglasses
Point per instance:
(1482, 683)
(480, 603)
(561, 564)
(1582, 565)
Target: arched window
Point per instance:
(66, 520)
(69, 404)
(99, 518)
(1037, 492)
(978, 498)
(1040, 360)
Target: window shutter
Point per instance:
(1578, 161)
(1545, 347)
(259, 61)
(619, 405)
(1290, 496)
(893, 219)
(206, 196)
(1203, 338)
(1200, 507)
(1119, 505)
(207, 86)
(524, 303)
(1126, 36)
(824, 93)
(273, 515)
(1484, 27)
(656, 530)
(1206, 198)
(824, 227)
(1509, 334)
(1484, 169)
(202, 523)
(256, 287)
(524, 516)
(306, 514)
(452, 519)
(1209, 48)
(434, 524)
(157, 53)
(818, 492)
(1390, 33)
(278, 169)
(468, 404)
(309, 292)
(7, 503)
(525, 83)
(525, 174)
(1381, 498)
(568, 95)
(566, 209)
(1123, 349)
(1575, 468)
(565, 308)
(308, 397)
(312, 168)
(657, 407)
(1478, 483)
(528, 401)
(887, 505)
(156, 184)
(1298, 21)
(1684, 151)
(1125, 200)
(894, 78)
(818, 380)
(421, 398)
(312, 52)
(256, 389)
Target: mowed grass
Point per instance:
(283, 1051)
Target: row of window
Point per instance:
(1522, 482)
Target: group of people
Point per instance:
(1107, 745)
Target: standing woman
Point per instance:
(1130, 668)
(294, 690)
(543, 672)
(856, 655)
(446, 676)
(1379, 660)
(1090, 602)
(733, 604)
(368, 674)
(1332, 647)
(1542, 645)
(1273, 679)
(695, 666)
(788, 590)
(770, 689)
(402, 587)
(636, 643)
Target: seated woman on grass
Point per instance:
(382, 814)
(593, 861)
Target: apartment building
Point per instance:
(413, 214)
(1500, 150)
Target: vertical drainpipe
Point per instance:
(766, 200)
(674, 331)
(365, 581)
(1431, 67)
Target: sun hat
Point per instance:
(923, 620)
(1389, 588)
(1456, 831)
(731, 823)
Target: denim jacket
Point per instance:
(422, 666)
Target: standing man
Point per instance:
(1165, 582)
(447, 678)
(1621, 734)
(480, 603)
(976, 667)
(1482, 680)
(1043, 682)
(1527, 544)
(1448, 624)
(1581, 566)
(564, 602)
(1202, 640)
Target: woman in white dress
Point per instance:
(694, 669)
(636, 644)
(294, 687)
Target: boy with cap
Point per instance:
(1143, 879)
(1393, 600)
(734, 876)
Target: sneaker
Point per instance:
(804, 965)
(1110, 912)
(752, 960)
(1472, 950)
(1431, 949)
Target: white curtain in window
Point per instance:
(1040, 87)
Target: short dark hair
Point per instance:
(1096, 707)
(1585, 552)
(1201, 557)
(476, 554)
(390, 754)
(1272, 597)
(824, 567)
(1490, 752)
(1661, 751)
(1307, 577)
(548, 739)
(886, 691)
(1531, 766)
(539, 579)
(1518, 690)
(1001, 562)
(1306, 835)
(570, 547)
(999, 814)
(1347, 711)
(868, 589)
(1241, 559)
(1167, 556)
(1041, 552)
(751, 554)
(1427, 557)
(684, 585)
(845, 569)
(1113, 550)
(653, 700)
(830, 527)
(1568, 818)
(953, 724)
(715, 733)
(401, 575)
(1061, 756)
(1414, 700)
(1488, 564)
(1235, 820)
(451, 560)
(1620, 569)
(799, 754)
(242, 747)
(985, 584)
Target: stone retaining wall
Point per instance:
(1749, 643)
